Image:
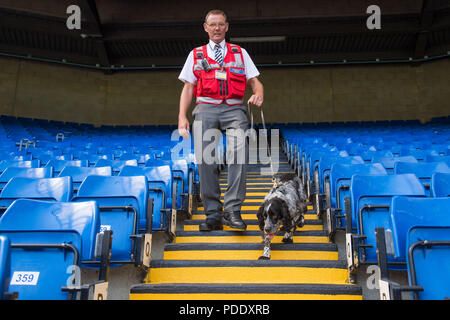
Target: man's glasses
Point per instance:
(215, 25)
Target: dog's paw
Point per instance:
(264, 258)
(288, 240)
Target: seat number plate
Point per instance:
(25, 278)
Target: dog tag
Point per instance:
(221, 75)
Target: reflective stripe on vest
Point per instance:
(219, 101)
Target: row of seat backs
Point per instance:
(129, 195)
(181, 167)
(424, 171)
(160, 175)
(363, 180)
(117, 165)
(372, 206)
(61, 189)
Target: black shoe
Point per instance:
(234, 220)
(206, 226)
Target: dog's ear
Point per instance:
(286, 218)
(260, 217)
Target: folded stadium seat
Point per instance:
(16, 156)
(116, 165)
(183, 176)
(119, 155)
(389, 162)
(92, 158)
(51, 189)
(160, 190)
(50, 241)
(311, 157)
(423, 171)
(47, 155)
(58, 165)
(12, 172)
(19, 164)
(5, 268)
(78, 174)
(126, 210)
(143, 158)
(440, 185)
(370, 154)
(368, 208)
(438, 158)
(418, 236)
(419, 154)
(337, 188)
(322, 175)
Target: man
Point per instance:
(217, 75)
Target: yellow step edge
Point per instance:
(240, 296)
(247, 239)
(249, 255)
(244, 208)
(248, 183)
(253, 227)
(252, 194)
(247, 275)
(251, 216)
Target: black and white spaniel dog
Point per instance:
(283, 207)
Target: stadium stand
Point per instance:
(389, 172)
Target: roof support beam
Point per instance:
(426, 21)
(90, 12)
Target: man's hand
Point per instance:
(258, 92)
(183, 127)
(255, 100)
(185, 100)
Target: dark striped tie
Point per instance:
(218, 54)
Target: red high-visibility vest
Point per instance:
(211, 86)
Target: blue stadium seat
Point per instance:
(183, 176)
(389, 162)
(58, 165)
(78, 174)
(51, 189)
(436, 158)
(18, 163)
(419, 237)
(116, 165)
(12, 172)
(338, 189)
(440, 185)
(371, 197)
(322, 175)
(49, 242)
(423, 171)
(123, 203)
(160, 190)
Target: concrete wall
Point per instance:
(307, 94)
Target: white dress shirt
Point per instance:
(187, 73)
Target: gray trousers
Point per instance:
(231, 120)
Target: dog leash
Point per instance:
(254, 135)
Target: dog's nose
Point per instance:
(267, 230)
